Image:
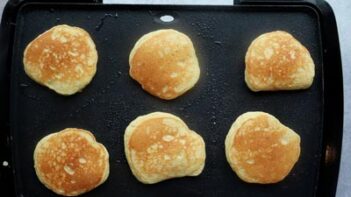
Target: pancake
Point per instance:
(277, 61)
(260, 149)
(71, 162)
(164, 63)
(63, 58)
(160, 146)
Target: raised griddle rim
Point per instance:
(333, 84)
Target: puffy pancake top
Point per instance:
(163, 147)
(164, 63)
(262, 150)
(277, 61)
(71, 162)
(63, 58)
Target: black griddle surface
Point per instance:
(221, 36)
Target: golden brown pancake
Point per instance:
(260, 149)
(277, 61)
(164, 63)
(63, 58)
(71, 162)
(160, 146)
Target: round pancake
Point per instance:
(260, 149)
(71, 162)
(164, 63)
(277, 61)
(160, 146)
(63, 58)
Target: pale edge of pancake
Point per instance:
(232, 133)
(303, 80)
(197, 72)
(89, 137)
(66, 92)
(135, 123)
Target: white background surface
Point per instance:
(342, 10)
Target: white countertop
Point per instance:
(342, 10)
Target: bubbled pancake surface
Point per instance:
(277, 61)
(260, 149)
(63, 58)
(164, 63)
(71, 162)
(160, 146)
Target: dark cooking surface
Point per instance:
(221, 36)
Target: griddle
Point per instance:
(221, 36)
